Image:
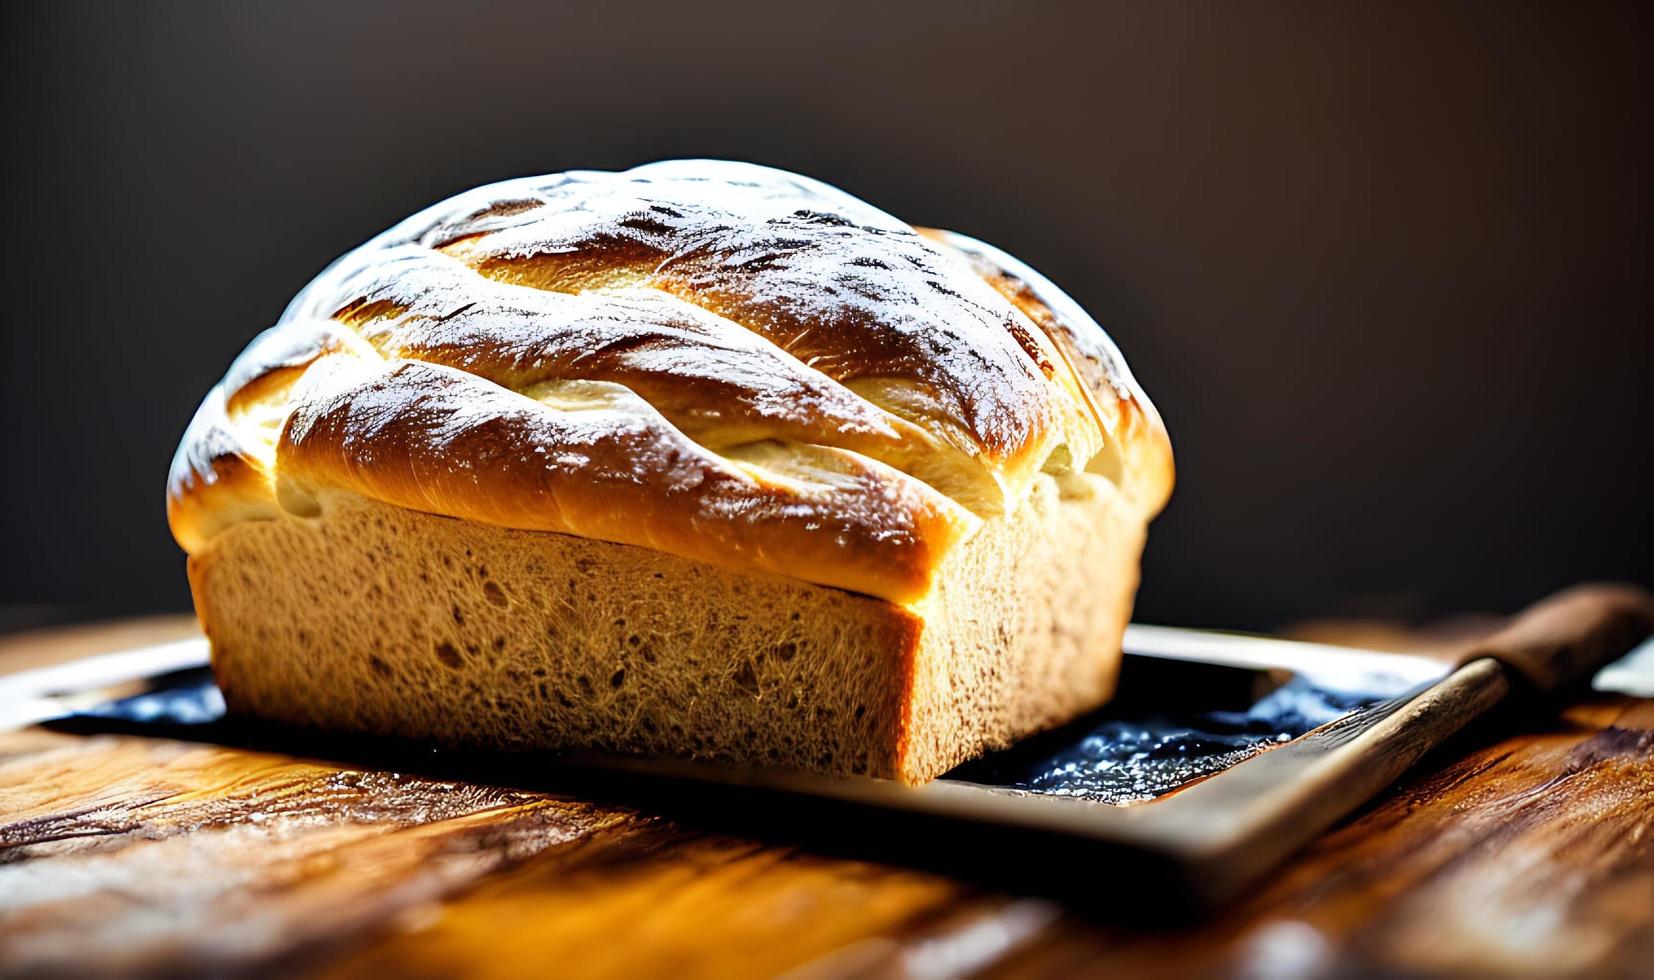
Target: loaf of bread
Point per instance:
(698, 459)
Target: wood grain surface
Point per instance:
(1522, 848)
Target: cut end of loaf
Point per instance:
(376, 619)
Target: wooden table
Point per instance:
(1526, 849)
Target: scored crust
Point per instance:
(724, 362)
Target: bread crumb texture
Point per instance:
(372, 618)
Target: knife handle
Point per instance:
(1571, 635)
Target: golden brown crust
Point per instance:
(439, 440)
(1138, 453)
(721, 361)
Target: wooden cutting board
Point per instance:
(118, 854)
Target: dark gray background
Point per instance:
(1383, 267)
